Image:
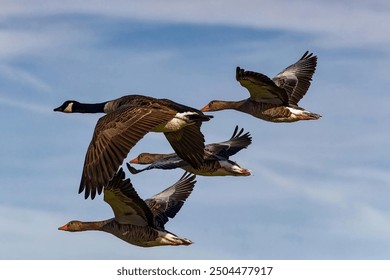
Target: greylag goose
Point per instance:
(274, 100)
(136, 221)
(127, 120)
(216, 158)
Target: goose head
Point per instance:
(72, 226)
(72, 106)
(146, 158)
(69, 106)
(218, 105)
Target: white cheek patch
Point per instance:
(69, 108)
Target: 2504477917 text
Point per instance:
(212, 271)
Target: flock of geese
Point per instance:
(129, 118)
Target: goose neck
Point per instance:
(89, 108)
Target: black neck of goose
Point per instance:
(89, 108)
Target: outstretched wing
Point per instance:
(225, 149)
(167, 203)
(115, 134)
(188, 143)
(296, 78)
(127, 206)
(261, 88)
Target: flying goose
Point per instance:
(274, 100)
(136, 221)
(216, 158)
(127, 120)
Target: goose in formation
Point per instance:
(216, 158)
(274, 100)
(127, 120)
(136, 221)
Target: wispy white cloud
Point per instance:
(20, 42)
(23, 77)
(331, 24)
(365, 175)
(40, 39)
(309, 189)
(22, 228)
(33, 107)
(370, 222)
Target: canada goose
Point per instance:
(127, 120)
(136, 221)
(216, 158)
(274, 100)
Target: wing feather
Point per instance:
(188, 143)
(296, 78)
(127, 206)
(115, 134)
(225, 149)
(261, 88)
(167, 203)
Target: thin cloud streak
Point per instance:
(21, 104)
(23, 77)
(370, 222)
(331, 24)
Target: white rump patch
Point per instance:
(179, 121)
(183, 116)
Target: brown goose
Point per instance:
(274, 100)
(127, 120)
(216, 158)
(136, 221)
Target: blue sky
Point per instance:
(319, 189)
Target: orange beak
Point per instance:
(246, 172)
(135, 160)
(64, 227)
(205, 108)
